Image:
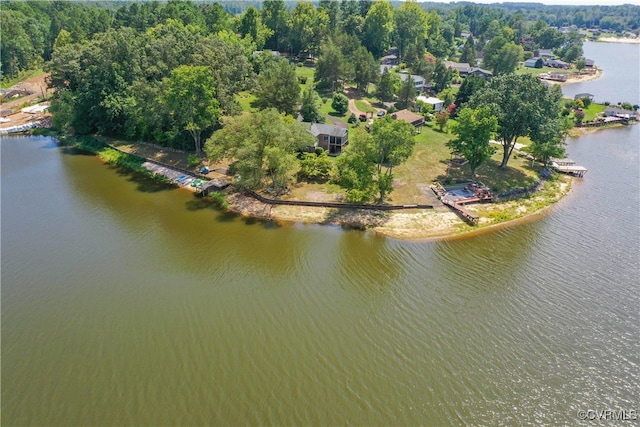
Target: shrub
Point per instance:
(220, 199)
(352, 119)
(316, 166)
(340, 103)
(193, 160)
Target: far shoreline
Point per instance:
(627, 40)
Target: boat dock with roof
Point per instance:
(568, 166)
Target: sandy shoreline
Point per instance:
(419, 225)
(619, 40)
(582, 78)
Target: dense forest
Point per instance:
(28, 29)
(172, 72)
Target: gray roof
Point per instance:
(619, 110)
(481, 71)
(460, 66)
(414, 77)
(326, 129)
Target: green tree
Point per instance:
(410, 26)
(474, 129)
(502, 56)
(522, 104)
(191, 98)
(442, 118)
(306, 26)
(580, 64)
(340, 103)
(549, 140)
(251, 25)
(386, 89)
(316, 167)
(330, 67)
(216, 18)
(366, 69)
(407, 93)
(278, 88)
(18, 52)
(355, 168)
(378, 28)
(275, 16)
(393, 143)
(469, 53)
(441, 76)
(310, 109)
(261, 145)
(469, 86)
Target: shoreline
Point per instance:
(582, 78)
(627, 40)
(436, 224)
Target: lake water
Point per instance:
(127, 303)
(620, 78)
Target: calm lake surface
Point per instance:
(125, 303)
(620, 80)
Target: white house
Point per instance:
(418, 81)
(436, 103)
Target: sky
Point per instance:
(556, 2)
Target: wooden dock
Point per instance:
(568, 166)
(469, 217)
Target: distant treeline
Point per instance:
(29, 29)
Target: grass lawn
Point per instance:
(536, 71)
(364, 107)
(245, 99)
(430, 160)
(327, 110)
(593, 110)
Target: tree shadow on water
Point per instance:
(145, 184)
(198, 203)
(267, 224)
(73, 151)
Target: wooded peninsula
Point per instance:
(363, 102)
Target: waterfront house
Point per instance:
(534, 62)
(330, 137)
(556, 63)
(615, 111)
(546, 54)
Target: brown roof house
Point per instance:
(329, 137)
(412, 118)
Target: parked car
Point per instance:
(363, 117)
(381, 113)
